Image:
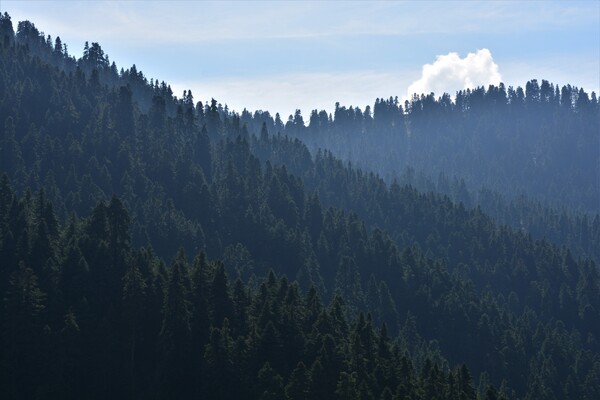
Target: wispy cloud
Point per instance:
(450, 73)
(160, 22)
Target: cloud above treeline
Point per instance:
(450, 73)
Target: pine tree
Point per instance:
(220, 298)
(134, 300)
(7, 32)
(298, 386)
(118, 228)
(318, 382)
(175, 334)
(270, 384)
(465, 384)
(23, 306)
(219, 368)
(347, 387)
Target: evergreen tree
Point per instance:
(175, 334)
(298, 386)
(24, 303)
(347, 387)
(134, 299)
(220, 298)
(219, 364)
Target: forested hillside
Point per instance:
(541, 142)
(529, 161)
(345, 286)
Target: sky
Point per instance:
(285, 55)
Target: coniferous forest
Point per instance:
(158, 247)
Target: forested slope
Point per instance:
(94, 317)
(541, 142)
(99, 163)
(531, 162)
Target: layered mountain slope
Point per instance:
(448, 282)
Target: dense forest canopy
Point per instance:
(127, 213)
(541, 142)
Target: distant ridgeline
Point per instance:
(347, 285)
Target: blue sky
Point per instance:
(283, 55)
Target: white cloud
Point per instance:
(450, 73)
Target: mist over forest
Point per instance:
(157, 246)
